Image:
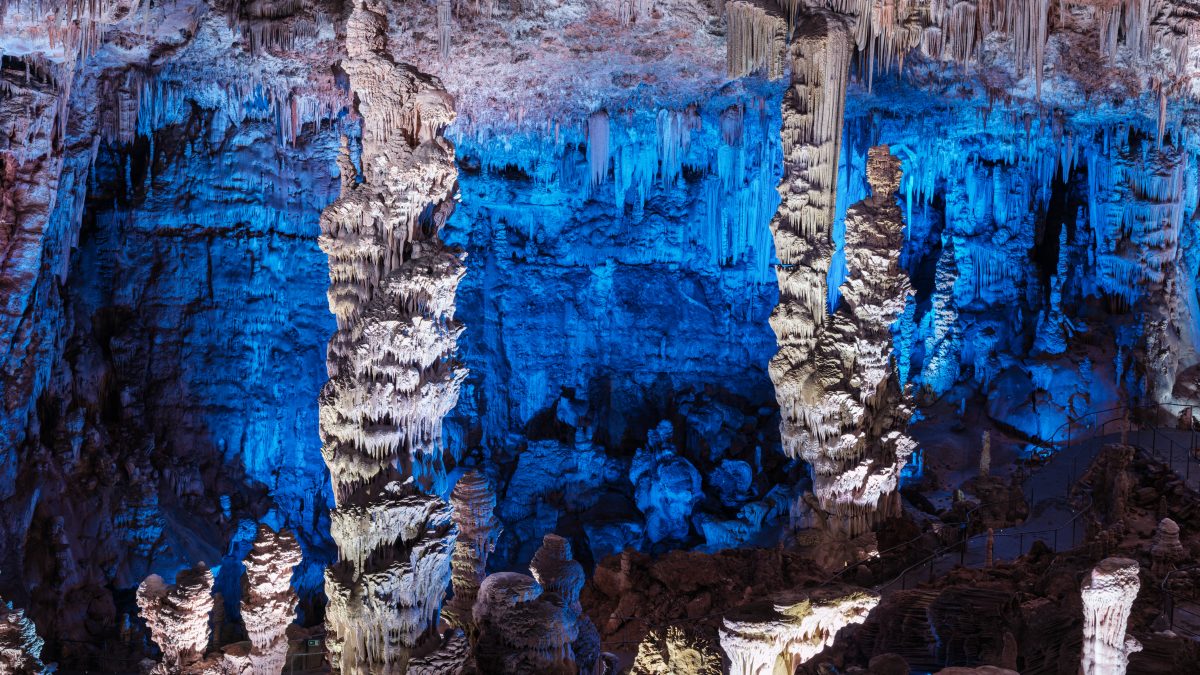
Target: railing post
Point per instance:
(1021, 545)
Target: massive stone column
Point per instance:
(854, 405)
(1108, 594)
(813, 111)
(838, 393)
(392, 375)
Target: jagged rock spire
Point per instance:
(20, 646)
(268, 600)
(177, 617)
(392, 375)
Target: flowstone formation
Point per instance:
(391, 368)
(177, 617)
(1108, 594)
(20, 646)
(673, 650)
(268, 601)
(782, 634)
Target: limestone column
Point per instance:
(392, 372)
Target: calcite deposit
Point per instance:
(268, 600)
(696, 310)
(20, 645)
(1108, 595)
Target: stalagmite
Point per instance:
(782, 634)
(985, 455)
(536, 624)
(843, 406)
(177, 617)
(20, 646)
(1166, 551)
(392, 371)
(474, 505)
(268, 600)
(1108, 594)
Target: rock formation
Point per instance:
(1166, 551)
(790, 629)
(1108, 594)
(520, 631)
(391, 368)
(453, 657)
(20, 646)
(177, 617)
(844, 410)
(474, 505)
(985, 454)
(813, 109)
(666, 486)
(536, 624)
(674, 650)
(268, 600)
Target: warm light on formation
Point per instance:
(599, 336)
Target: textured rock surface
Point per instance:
(20, 646)
(268, 601)
(672, 650)
(1108, 595)
(392, 376)
(788, 630)
(177, 617)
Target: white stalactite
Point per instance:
(268, 600)
(1108, 593)
(393, 375)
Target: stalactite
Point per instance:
(756, 39)
(268, 600)
(597, 146)
(1108, 593)
(393, 376)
